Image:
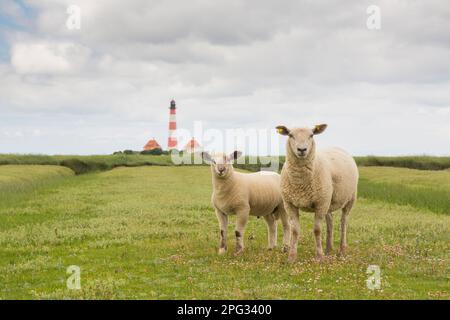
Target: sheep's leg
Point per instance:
(241, 222)
(329, 218)
(286, 229)
(344, 223)
(295, 230)
(317, 233)
(271, 230)
(223, 224)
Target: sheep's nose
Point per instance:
(301, 150)
(221, 170)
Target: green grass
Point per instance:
(15, 181)
(85, 164)
(412, 162)
(428, 190)
(150, 233)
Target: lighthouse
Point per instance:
(172, 141)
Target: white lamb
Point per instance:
(245, 194)
(319, 182)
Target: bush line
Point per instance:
(85, 164)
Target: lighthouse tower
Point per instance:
(172, 141)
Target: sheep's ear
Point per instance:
(319, 128)
(207, 157)
(283, 130)
(235, 155)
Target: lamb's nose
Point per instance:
(301, 150)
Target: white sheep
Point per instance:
(319, 182)
(244, 194)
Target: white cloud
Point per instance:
(232, 64)
(48, 57)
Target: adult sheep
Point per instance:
(246, 194)
(320, 181)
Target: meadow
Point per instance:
(93, 163)
(149, 232)
(17, 181)
(84, 164)
(428, 190)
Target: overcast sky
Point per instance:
(230, 64)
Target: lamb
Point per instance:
(246, 194)
(319, 182)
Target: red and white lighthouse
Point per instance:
(172, 141)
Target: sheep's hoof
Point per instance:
(319, 257)
(270, 248)
(343, 252)
(292, 257)
(222, 250)
(238, 250)
(285, 248)
(328, 252)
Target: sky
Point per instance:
(229, 64)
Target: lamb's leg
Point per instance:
(344, 223)
(293, 213)
(329, 218)
(286, 228)
(271, 230)
(223, 224)
(317, 233)
(241, 222)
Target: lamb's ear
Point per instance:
(207, 157)
(234, 156)
(319, 128)
(283, 130)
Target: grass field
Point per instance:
(150, 233)
(411, 162)
(85, 164)
(429, 190)
(16, 181)
(94, 163)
